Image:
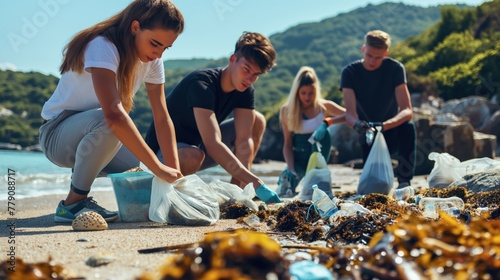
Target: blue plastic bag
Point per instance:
(308, 270)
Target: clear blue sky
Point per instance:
(34, 32)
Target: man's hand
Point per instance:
(361, 126)
(320, 132)
(267, 195)
(376, 124)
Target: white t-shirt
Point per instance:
(75, 91)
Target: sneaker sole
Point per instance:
(111, 219)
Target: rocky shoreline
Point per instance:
(17, 147)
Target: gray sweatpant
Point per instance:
(83, 141)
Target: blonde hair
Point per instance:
(294, 114)
(378, 39)
(150, 14)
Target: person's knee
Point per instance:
(190, 159)
(102, 133)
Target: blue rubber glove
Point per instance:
(361, 127)
(267, 195)
(320, 132)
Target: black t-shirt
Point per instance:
(374, 90)
(199, 89)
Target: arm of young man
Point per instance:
(243, 143)
(164, 127)
(351, 116)
(123, 127)
(405, 109)
(211, 136)
(244, 147)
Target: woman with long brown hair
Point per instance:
(86, 120)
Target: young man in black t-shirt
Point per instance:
(376, 94)
(200, 104)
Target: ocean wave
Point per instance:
(40, 184)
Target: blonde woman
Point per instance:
(305, 114)
(86, 120)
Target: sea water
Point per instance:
(36, 176)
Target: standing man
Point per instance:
(200, 104)
(376, 94)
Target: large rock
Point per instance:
(477, 109)
(480, 182)
(345, 140)
(271, 147)
(453, 138)
(493, 127)
(485, 145)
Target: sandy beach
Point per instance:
(37, 238)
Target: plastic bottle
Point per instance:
(403, 193)
(252, 220)
(417, 199)
(285, 185)
(353, 209)
(441, 203)
(323, 203)
(452, 211)
(430, 211)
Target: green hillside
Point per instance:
(458, 56)
(449, 52)
(176, 64)
(21, 98)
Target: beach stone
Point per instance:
(480, 182)
(99, 259)
(345, 141)
(485, 145)
(477, 109)
(89, 221)
(493, 127)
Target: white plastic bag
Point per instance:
(317, 173)
(377, 175)
(443, 173)
(188, 201)
(227, 192)
(447, 168)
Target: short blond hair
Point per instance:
(378, 39)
